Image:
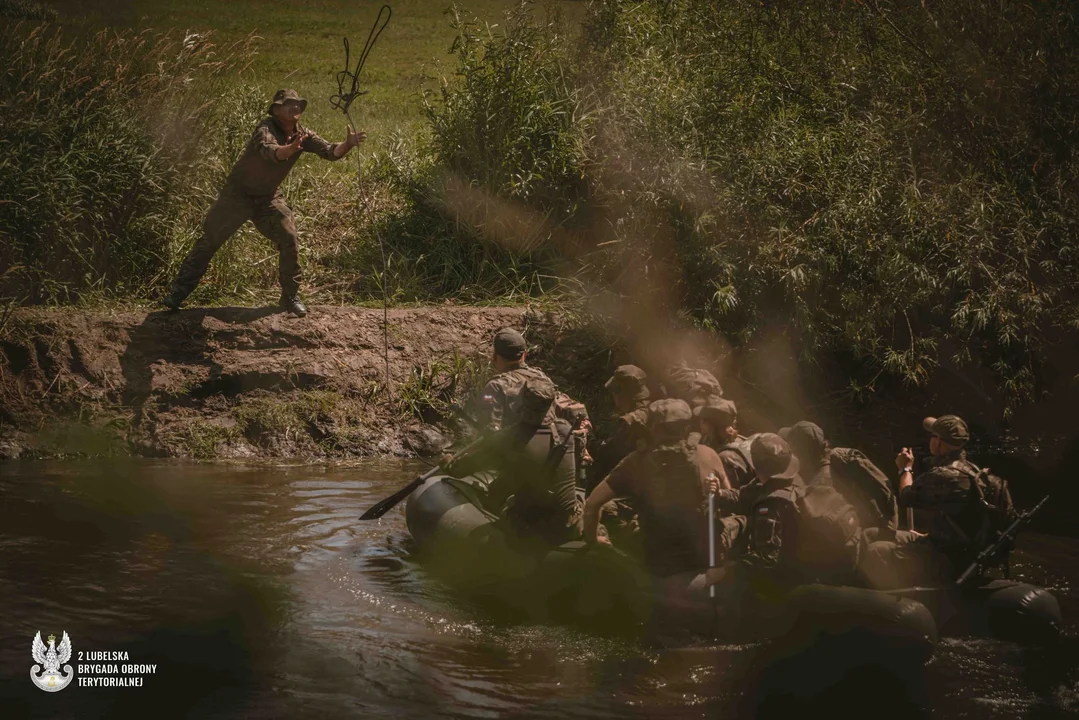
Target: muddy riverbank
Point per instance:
(239, 382)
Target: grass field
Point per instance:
(301, 46)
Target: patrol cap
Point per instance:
(804, 434)
(717, 411)
(669, 418)
(282, 96)
(630, 378)
(510, 344)
(952, 429)
(772, 457)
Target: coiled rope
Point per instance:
(343, 101)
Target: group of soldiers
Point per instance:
(786, 508)
(789, 508)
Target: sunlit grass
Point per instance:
(301, 47)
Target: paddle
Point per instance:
(384, 506)
(711, 539)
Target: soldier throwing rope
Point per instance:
(252, 193)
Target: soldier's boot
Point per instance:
(173, 301)
(292, 304)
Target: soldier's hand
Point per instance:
(354, 139)
(713, 483)
(905, 459)
(297, 144)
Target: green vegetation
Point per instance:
(433, 391)
(889, 182)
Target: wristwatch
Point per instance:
(905, 470)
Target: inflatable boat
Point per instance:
(607, 590)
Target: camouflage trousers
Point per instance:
(272, 218)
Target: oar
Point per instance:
(711, 539)
(383, 506)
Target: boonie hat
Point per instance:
(669, 418)
(804, 434)
(629, 377)
(952, 429)
(510, 344)
(772, 457)
(282, 96)
(717, 411)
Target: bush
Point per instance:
(104, 141)
(891, 180)
(469, 208)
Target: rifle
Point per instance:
(987, 557)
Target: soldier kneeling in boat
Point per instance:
(533, 429)
(969, 504)
(668, 483)
(795, 534)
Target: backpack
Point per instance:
(992, 492)
(692, 384)
(742, 447)
(535, 399)
(829, 541)
(867, 486)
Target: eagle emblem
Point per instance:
(52, 657)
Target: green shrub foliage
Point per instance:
(892, 183)
(106, 143)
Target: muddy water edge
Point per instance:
(256, 593)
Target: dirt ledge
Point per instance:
(240, 382)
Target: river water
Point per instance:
(255, 592)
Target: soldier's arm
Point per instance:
(489, 407)
(315, 144)
(267, 144)
(708, 464)
(593, 506)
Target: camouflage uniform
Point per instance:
(627, 431)
(767, 566)
(722, 414)
(536, 501)
(738, 467)
(945, 491)
(252, 193)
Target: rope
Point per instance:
(343, 101)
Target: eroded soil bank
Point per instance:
(240, 382)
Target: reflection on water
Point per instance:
(258, 593)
